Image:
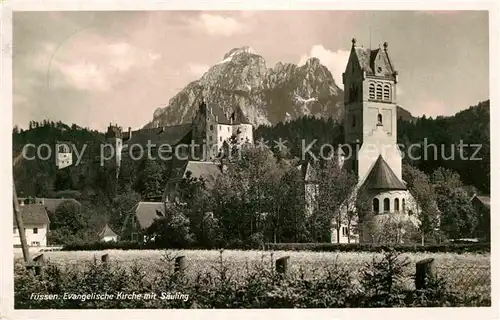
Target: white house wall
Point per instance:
(31, 237)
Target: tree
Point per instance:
(121, 206)
(149, 183)
(458, 217)
(363, 211)
(422, 190)
(335, 186)
(172, 230)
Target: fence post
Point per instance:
(37, 264)
(39, 259)
(105, 259)
(180, 264)
(282, 265)
(423, 272)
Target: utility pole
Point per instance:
(19, 219)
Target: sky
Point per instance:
(93, 68)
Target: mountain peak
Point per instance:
(313, 62)
(235, 51)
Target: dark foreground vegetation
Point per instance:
(382, 282)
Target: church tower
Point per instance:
(370, 124)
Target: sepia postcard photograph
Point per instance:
(331, 157)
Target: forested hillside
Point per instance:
(472, 126)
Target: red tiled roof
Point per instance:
(381, 177)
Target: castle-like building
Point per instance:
(202, 140)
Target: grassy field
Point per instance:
(455, 267)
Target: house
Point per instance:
(50, 204)
(199, 170)
(140, 218)
(36, 225)
(482, 206)
(107, 234)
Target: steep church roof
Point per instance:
(367, 60)
(381, 176)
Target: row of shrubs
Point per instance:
(357, 247)
(381, 283)
(343, 247)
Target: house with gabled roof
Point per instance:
(482, 206)
(206, 171)
(50, 204)
(140, 218)
(36, 225)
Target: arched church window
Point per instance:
(379, 119)
(387, 205)
(371, 90)
(396, 204)
(378, 91)
(387, 92)
(403, 205)
(376, 205)
(353, 121)
(211, 127)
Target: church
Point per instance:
(370, 126)
(370, 123)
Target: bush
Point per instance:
(255, 242)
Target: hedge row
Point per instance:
(343, 247)
(356, 247)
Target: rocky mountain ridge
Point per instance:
(265, 95)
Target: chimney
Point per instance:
(129, 133)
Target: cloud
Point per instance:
(334, 61)
(217, 25)
(198, 70)
(99, 67)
